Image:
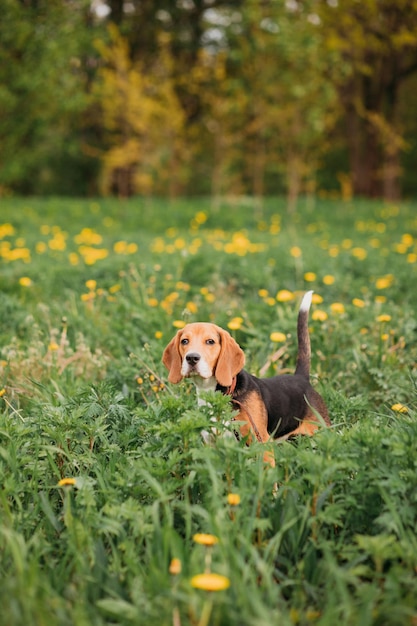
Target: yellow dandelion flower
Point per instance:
(53, 346)
(210, 582)
(67, 482)
(233, 499)
(25, 281)
(316, 299)
(91, 284)
(158, 334)
(412, 257)
(399, 408)
(337, 307)
(178, 323)
(263, 293)
(205, 539)
(284, 295)
(175, 567)
(235, 323)
(328, 279)
(383, 318)
(278, 337)
(319, 316)
(384, 282)
(358, 302)
(115, 288)
(359, 253)
(310, 277)
(191, 307)
(296, 252)
(139, 380)
(2, 392)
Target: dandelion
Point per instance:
(67, 482)
(359, 253)
(337, 307)
(383, 318)
(263, 293)
(178, 323)
(233, 499)
(277, 337)
(210, 582)
(53, 346)
(284, 295)
(319, 315)
(91, 284)
(235, 323)
(384, 282)
(205, 539)
(310, 277)
(139, 380)
(328, 279)
(25, 281)
(358, 303)
(399, 408)
(159, 334)
(175, 567)
(316, 299)
(296, 252)
(2, 392)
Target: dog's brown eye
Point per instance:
(184, 342)
(210, 342)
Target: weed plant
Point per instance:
(110, 502)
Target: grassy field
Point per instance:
(110, 503)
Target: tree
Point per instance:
(141, 118)
(377, 44)
(42, 93)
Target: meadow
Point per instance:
(112, 509)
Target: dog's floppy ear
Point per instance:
(231, 359)
(172, 360)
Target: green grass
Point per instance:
(84, 318)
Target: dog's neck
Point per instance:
(202, 385)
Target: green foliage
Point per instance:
(105, 477)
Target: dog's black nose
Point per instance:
(193, 358)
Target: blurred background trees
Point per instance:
(208, 97)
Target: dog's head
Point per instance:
(205, 350)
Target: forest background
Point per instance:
(209, 97)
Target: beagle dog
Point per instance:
(276, 407)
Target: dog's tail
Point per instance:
(304, 348)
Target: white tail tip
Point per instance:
(306, 301)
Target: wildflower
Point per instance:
(158, 334)
(284, 295)
(399, 408)
(337, 307)
(205, 539)
(178, 324)
(2, 392)
(316, 299)
(319, 315)
(412, 257)
(328, 279)
(235, 323)
(263, 293)
(296, 252)
(25, 281)
(91, 284)
(210, 582)
(233, 499)
(277, 337)
(383, 318)
(310, 277)
(67, 482)
(359, 253)
(358, 302)
(139, 380)
(53, 346)
(191, 307)
(175, 567)
(384, 282)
